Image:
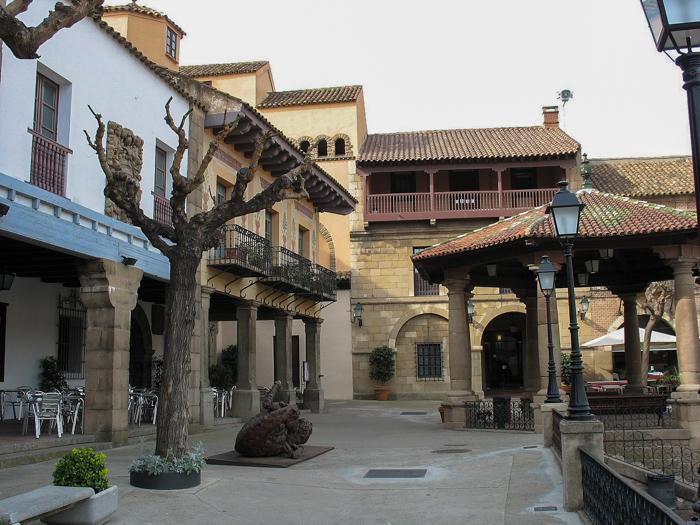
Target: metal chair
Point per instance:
(74, 409)
(48, 407)
(19, 401)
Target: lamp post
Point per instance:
(675, 25)
(545, 276)
(565, 211)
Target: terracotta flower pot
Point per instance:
(566, 388)
(381, 392)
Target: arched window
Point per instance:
(322, 148)
(339, 147)
(304, 145)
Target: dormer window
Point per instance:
(171, 43)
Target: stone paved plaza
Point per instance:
(498, 481)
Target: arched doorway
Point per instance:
(140, 349)
(503, 352)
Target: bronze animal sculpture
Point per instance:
(277, 429)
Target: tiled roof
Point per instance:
(133, 7)
(488, 144)
(605, 215)
(231, 68)
(644, 177)
(303, 97)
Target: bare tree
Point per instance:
(657, 300)
(183, 244)
(24, 41)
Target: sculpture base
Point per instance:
(233, 458)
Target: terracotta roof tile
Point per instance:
(488, 144)
(644, 177)
(133, 7)
(605, 215)
(303, 97)
(231, 68)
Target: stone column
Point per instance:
(206, 400)
(212, 334)
(686, 329)
(576, 435)
(313, 394)
(283, 357)
(109, 291)
(246, 397)
(633, 352)
(531, 364)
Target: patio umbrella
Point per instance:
(618, 338)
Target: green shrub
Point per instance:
(153, 465)
(82, 467)
(565, 368)
(381, 364)
(51, 376)
(671, 378)
(225, 375)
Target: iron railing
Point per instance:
(429, 362)
(422, 288)
(501, 413)
(324, 283)
(556, 430)
(72, 328)
(162, 212)
(610, 500)
(622, 417)
(245, 252)
(290, 270)
(49, 164)
(665, 456)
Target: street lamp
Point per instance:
(675, 25)
(565, 212)
(545, 276)
(471, 310)
(357, 314)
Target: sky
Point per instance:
(444, 64)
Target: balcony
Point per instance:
(323, 284)
(453, 204)
(49, 164)
(162, 212)
(242, 252)
(293, 273)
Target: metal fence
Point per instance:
(501, 413)
(633, 418)
(665, 456)
(610, 500)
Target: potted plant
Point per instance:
(51, 376)
(381, 370)
(83, 467)
(566, 372)
(150, 471)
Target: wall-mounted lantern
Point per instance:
(357, 314)
(471, 311)
(585, 305)
(6, 280)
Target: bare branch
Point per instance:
(247, 173)
(24, 41)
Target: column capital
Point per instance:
(249, 305)
(312, 320)
(109, 284)
(207, 290)
(281, 316)
(458, 285)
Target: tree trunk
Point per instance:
(646, 345)
(173, 409)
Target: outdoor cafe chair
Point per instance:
(47, 407)
(17, 400)
(74, 409)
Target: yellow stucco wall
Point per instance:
(249, 87)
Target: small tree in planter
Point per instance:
(151, 471)
(83, 467)
(382, 369)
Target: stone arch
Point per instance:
(503, 349)
(434, 310)
(620, 320)
(303, 139)
(485, 319)
(140, 348)
(329, 147)
(323, 231)
(348, 144)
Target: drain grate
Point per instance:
(452, 451)
(456, 444)
(388, 473)
(550, 508)
(531, 446)
(413, 413)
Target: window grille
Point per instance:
(421, 287)
(429, 361)
(71, 336)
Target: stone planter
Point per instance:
(166, 481)
(381, 392)
(93, 511)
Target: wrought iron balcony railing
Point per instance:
(290, 270)
(242, 252)
(323, 284)
(49, 164)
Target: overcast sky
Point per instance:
(461, 63)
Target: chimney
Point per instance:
(551, 116)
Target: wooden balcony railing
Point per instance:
(162, 212)
(49, 164)
(453, 204)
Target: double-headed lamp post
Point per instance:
(675, 26)
(545, 276)
(565, 212)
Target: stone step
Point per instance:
(45, 454)
(28, 443)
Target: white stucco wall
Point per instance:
(101, 73)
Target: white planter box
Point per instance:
(93, 511)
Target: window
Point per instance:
(268, 225)
(339, 147)
(464, 180)
(71, 336)
(301, 244)
(304, 146)
(429, 361)
(161, 170)
(523, 179)
(403, 183)
(421, 287)
(322, 148)
(171, 43)
(220, 193)
(3, 328)
(46, 108)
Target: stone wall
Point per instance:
(124, 154)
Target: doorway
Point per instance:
(140, 350)
(503, 352)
